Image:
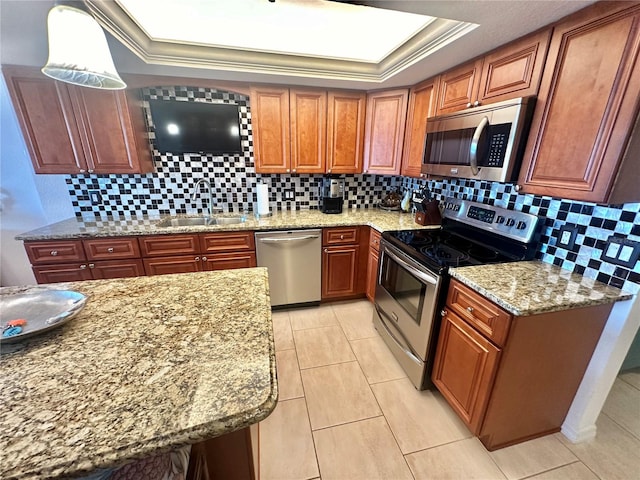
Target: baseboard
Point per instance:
(578, 436)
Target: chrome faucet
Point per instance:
(196, 189)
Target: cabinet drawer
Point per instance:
(117, 269)
(225, 242)
(488, 318)
(55, 252)
(340, 236)
(229, 261)
(177, 264)
(161, 245)
(374, 240)
(111, 248)
(67, 272)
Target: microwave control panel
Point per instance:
(498, 140)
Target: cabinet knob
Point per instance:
(197, 259)
(341, 237)
(204, 259)
(82, 267)
(329, 171)
(469, 105)
(92, 265)
(82, 171)
(518, 188)
(110, 249)
(470, 309)
(90, 171)
(326, 250)
(287, 170)
(294, 170)
(476, 103)
(54, 253)
(443, 313)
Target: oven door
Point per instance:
(406, 301)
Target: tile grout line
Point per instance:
(623, 427)
(557, 468)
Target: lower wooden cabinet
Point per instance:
(372, 264)
(63, 272)
(343, 262)
(512, 378)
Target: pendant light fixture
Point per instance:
(78, 49)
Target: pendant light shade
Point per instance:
(78, 50)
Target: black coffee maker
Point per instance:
(331, 194)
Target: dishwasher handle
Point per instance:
(288, 239)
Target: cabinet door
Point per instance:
(514, 70)
(176, 264)
(46, 117)
(587, 106)
(372, 273)
(107, 131)
(345, 131)
(65, 272)
(464, 369)
(270, 124)
(308, 116)
(339, 271)
(459, 87)
(422, 102)
(229, 260)
(384, 132)
(117, 269)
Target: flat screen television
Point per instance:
(196, 127)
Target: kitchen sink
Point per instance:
(203, 220)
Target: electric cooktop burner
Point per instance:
(471, 234)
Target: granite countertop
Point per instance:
(149, 365)
(531, 287)
(90, 227)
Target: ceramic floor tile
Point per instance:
(282, 336)
(338, 394)
(465, 459)
(355, 319)
(376, 360)
(315, 317)
(613, 454)
(418, 419)
(623, 406)
(289, 380)
(286, 444)
(322, 346)
(574, 471)
(532, 457)
(361, 450)
(632, 377)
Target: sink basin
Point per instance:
(203, 220)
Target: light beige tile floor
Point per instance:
(347, 411)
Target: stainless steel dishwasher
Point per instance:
(294, 261)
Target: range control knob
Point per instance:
(521, 225)
(510, 222)
(500, 219)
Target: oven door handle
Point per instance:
(473, 149)
(411, 269)
(404, 345)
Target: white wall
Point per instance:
(27, 201)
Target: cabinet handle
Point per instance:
(82, 171)
(476, 103)
(443, 313)
(204, 259)
(329, 171)
(518, 188)
(90, 171)
(82, 267)
(326, 250)
(469, 105)
(341, 237)
(54, 253)
(197, 259)
(294, 170)
(92, 265)
(110, 249)
(287, 170)
(470, 309)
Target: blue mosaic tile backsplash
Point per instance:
(169, 189)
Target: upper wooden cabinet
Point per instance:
(507, 72)
(422, 102)
(71, 129)
(345, 131)
(384, 131)
(270, 125)
(587, 108)
(307, 130)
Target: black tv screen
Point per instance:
(195, 127)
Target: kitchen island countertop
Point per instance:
(149, 365)
(89, 227)
(532, 287)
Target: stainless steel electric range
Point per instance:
(413, 273)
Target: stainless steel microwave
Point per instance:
(483, 143)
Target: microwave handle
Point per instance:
(473, 150)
